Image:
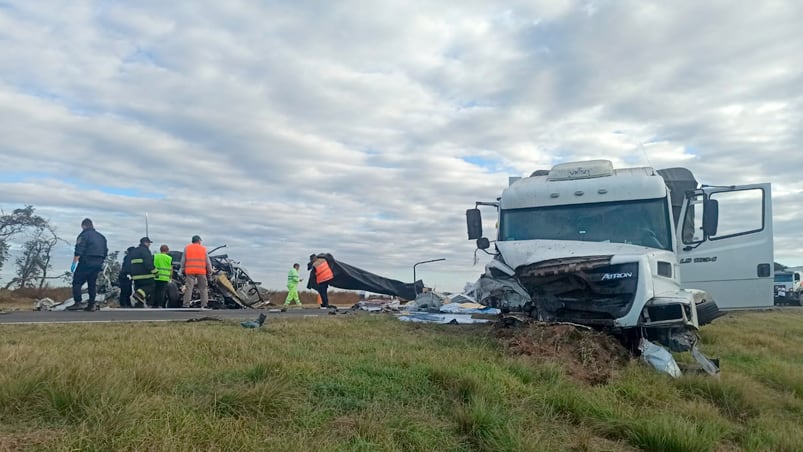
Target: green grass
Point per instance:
(374, 383)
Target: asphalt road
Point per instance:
(150, 315)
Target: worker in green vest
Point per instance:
(292, 286)
(163, 263)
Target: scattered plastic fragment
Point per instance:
(706, 364)
(468, 308)
(455, 319)
(254, 323)
(659, 358)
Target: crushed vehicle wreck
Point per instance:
(230, 286)
(621, 250)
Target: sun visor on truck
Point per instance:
(679, 181)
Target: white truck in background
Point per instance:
(787, 286)
(636, 251)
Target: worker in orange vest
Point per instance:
(319, 268)
(197, 268)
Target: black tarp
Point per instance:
(353, 278)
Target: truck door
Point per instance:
(732, 260)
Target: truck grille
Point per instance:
(594, 293)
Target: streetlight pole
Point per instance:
(415, 287)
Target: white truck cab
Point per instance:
(787, 286)
(617, 248)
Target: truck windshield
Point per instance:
(783, 277)
(642, 222)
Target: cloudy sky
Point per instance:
(366, 128)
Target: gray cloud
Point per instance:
(348, 127)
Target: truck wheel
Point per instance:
(707, 311)
(173, 296)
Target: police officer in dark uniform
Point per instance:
(90, 252)
(124, 280)
(143, 272)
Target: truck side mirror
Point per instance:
(710, 217)
(474, 223)
(483, 243)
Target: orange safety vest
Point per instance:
(322, 271)
(195, 259)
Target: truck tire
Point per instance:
(173, 295)
(707, 311)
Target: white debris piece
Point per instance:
(659, 358)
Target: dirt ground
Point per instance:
(23, 299)
(588, 356)
(336, 297)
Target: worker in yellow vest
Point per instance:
(163, 263)
(292, 286)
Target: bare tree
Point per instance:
(33, 264)
(48, 240)
(28, 266)
(15, 222)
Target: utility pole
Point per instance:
(146, 225)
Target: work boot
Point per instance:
(77, 306)
(90, 306)
(139, 296)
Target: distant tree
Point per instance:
(34, 263)
(14, 223)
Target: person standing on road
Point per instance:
(197, 268)
(90, 253)
(319, 267)
(163, 263)
(292, 286)
(143, 273)
(124, 280)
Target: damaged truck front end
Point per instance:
(599, 291)
(622, 294)
(588, 244)
(643, 254)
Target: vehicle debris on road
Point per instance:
(230, 287)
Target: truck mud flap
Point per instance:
(707, 311)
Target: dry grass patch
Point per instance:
(373, 383)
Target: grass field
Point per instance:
(374, 383)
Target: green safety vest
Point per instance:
(292, 277)
(164, 266)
